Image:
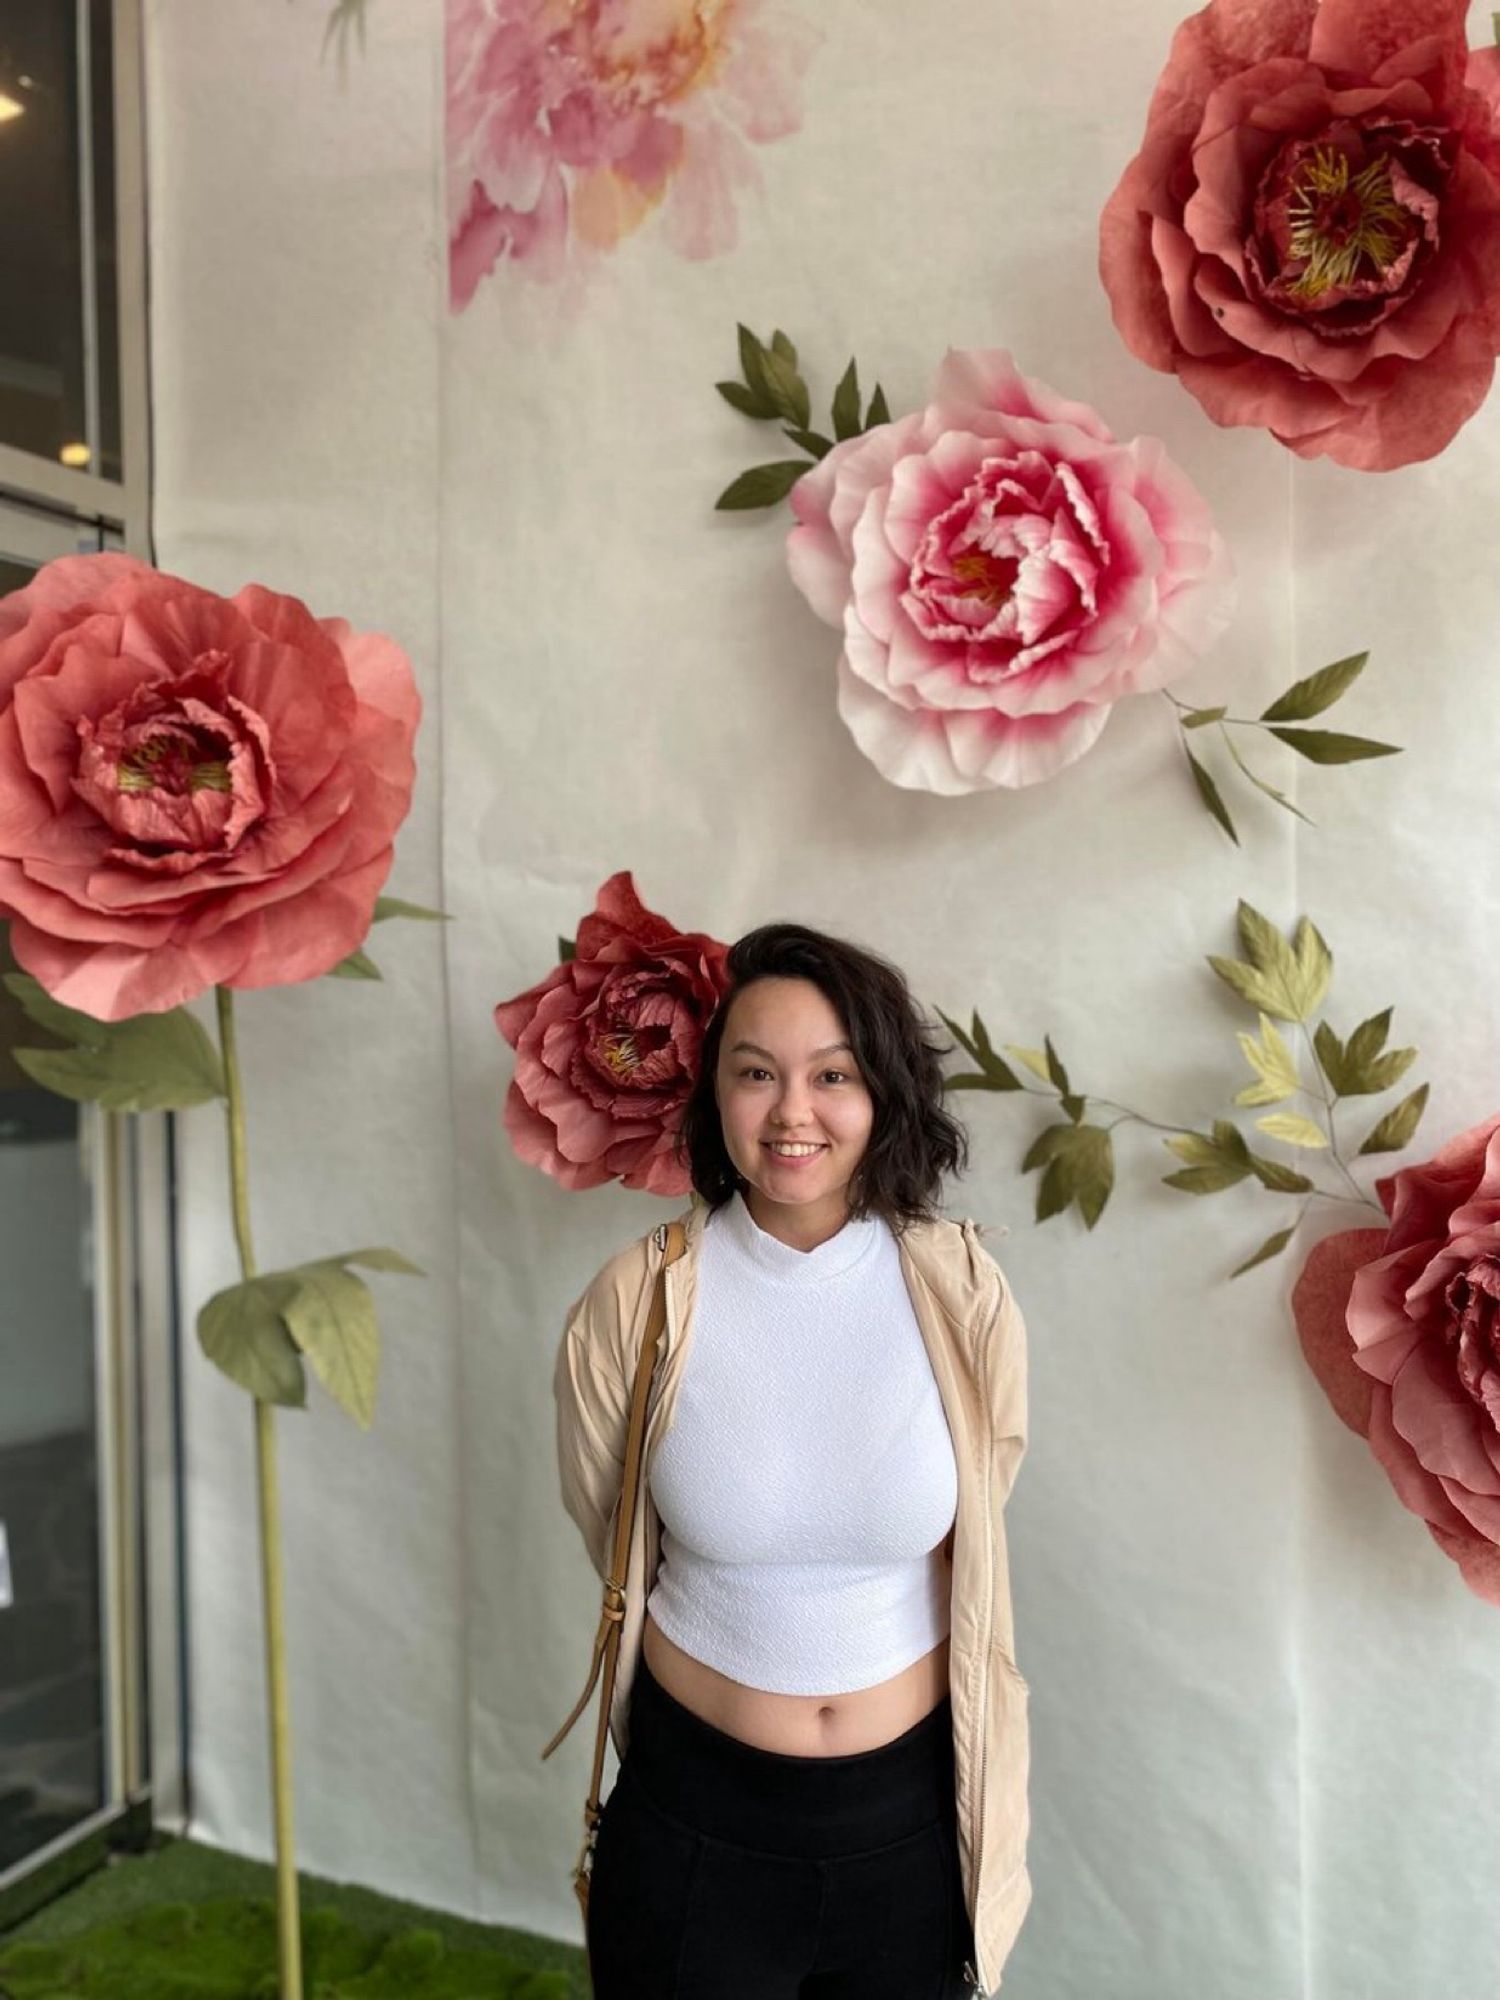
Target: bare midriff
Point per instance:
(800, 1725)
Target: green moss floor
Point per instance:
(187, 1922)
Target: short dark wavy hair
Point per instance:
(914, 1139)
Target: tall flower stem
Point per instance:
(289, 1934)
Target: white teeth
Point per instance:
(795, 1152)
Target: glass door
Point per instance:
(69, 1633)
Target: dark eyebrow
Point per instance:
(754, 1049)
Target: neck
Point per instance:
(802, 1225)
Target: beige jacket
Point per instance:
(976, 1342)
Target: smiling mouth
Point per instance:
(796, 1151)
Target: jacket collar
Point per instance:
(947, 1257)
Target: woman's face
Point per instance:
(795, 1111)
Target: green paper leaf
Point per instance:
(1263, 945)
(971, 1079)
(1272, 1247)
(1287, 980)
(879, 411)
(331, 1316)
(1194, 1148)
(1046, 1146)
(786, 388)
(1317, 692)
(810, 441)
(242, 1333)
(1396, 1128)
(1074, 1106)
(746, 401)
(1094, 1172)
(1369, 1038)
(966, 1042)
(846, 404)
(1279, 1179)
(1366, 1070)
(1330, 1053)
(1230, 1141)
(1000, 1074)
(1209, 793)
(1274, 1065)
(762, 485)
(1254, 987)
(1034, 1059)
(1078, 1162)
(151, 1062)
(781, 345)
(1206, 1179)
(1055, 1189)
(753, 368)
(358, 965)
(1314, 963)
(566, 950)
(1293, 1130)
(1327, 746)
(393, 906)
(1055, 1072)
(1199, 718)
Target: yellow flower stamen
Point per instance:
(1334, 245)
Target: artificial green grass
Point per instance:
(184, 1920)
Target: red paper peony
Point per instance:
(1402, 1329)
(1310, 234)
(194, 790)
(607, 1047)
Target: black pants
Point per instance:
(727, 1872)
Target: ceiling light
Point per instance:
(10, 107)
(75, 454)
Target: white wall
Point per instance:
(1261, 1755)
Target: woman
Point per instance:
(821, 1726)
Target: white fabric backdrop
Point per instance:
(1263, 1704)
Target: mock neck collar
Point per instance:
(787, 1265)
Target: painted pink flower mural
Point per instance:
(608, 1047)
(570, 122)
(1402, 1329)
(1309, 236)
(1003, 570)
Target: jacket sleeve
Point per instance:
(593, 1412)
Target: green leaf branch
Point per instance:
(1283, 720)
(772, 389)
(1282, 978)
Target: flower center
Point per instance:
(1338, 223)
(167, 761)
(620, 1053)
(989, 578)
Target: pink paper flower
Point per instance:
(1310, 234)
(1402, 1329)
(608, 1047)
(569, 125)
(1003, 571)
(194, 790)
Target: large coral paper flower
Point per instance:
(1309, 236)
(194, 790)
(1402, 1329)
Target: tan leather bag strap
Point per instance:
(672, 1238)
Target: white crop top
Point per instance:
(808, 1480)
